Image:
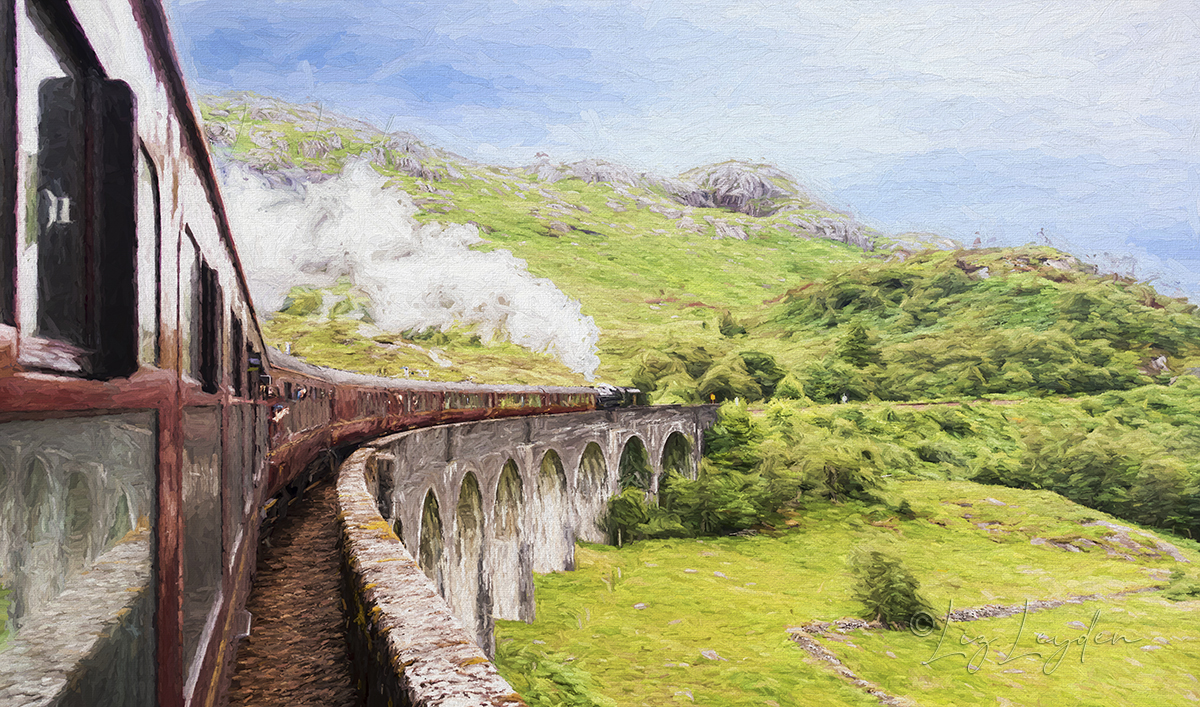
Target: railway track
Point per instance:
(296, 652)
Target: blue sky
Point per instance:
(1078, 120)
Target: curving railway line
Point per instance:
(146, 430)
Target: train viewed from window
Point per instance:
(145, 427)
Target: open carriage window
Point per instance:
(76, 207)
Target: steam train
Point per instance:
(145, 428)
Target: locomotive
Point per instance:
(145, 427)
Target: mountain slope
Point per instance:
(729, 280)
(605, 236)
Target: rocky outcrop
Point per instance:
(320, 147)
(843, 230)
(727, 230)
(754, 189)
(593, 171)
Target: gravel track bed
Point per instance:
(296, 652)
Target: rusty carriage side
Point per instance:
(133, 432)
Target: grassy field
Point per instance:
(639, 619)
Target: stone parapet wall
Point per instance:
(406, 646)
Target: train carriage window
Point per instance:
(37, 62)
(211, 320)
(77, 499)
(254, 369)
(77, 203)
(237, 366)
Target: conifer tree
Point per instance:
(855, 346)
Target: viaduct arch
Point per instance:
(484, 505)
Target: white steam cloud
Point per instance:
(417, 276)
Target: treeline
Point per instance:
(944, 325)
(752, 470)
(1134, 454)
(953, 324)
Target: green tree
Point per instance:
(887, 589)
(728, 379)
(1159, 493)
(855, 346)
(764, 370)
(721, 500)
(733, 442)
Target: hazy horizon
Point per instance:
(998, 121)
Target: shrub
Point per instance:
(1182, 587)
(856, 347)
(887, 589)
(790, 388)
(721, 500)
(654, 366)
(630, 517)
(733, 442)
(841, 469)
(546, 679)
(728, 380)
(765, 371)
(729, 326)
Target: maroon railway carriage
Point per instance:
(316, 410)
(132, 437)
(144, 426)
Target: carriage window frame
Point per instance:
(149, 246)
(8, 163)
(75, 296)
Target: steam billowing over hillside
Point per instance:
(316, 197)
(416, 275)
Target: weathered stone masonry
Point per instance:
(481, 506)
(405, 645)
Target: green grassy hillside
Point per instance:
(646, 266)
(688, 299)
(707, 621)
(941, 405)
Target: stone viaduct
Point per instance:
(480, 507)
